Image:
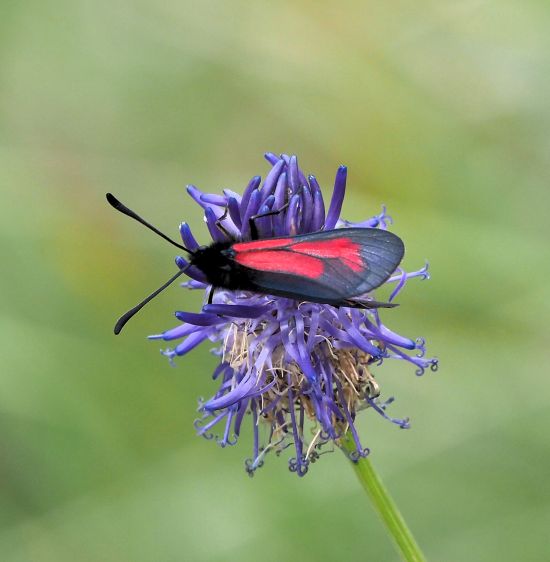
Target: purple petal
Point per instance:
(234, 211)
(293, 174)
(196, 194)
(251, 188)
(198, 319)
(402, 280)
(252, 209)
(337, 198)
(230, 193)
(271, 158)
(187, 236)
(307, 209)
(380, 221)
(263, 223)
(232, 397)
(211, 220)
(423, 272)
(201, 430)
(380, 408)
(236, 310)
(318, 212)
(214, 199)
(271, 179)
(292, 215)
(190, 343)
(280, 191)
(243, 406)
(176, 333)
(396, 339)
(349, 419)
(221, 368)
(318, 205)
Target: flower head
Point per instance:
(298, 371)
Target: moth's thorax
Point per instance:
(217, 263)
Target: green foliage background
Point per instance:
(440, 110)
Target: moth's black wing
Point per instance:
(369, 256)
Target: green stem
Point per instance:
(384, 505)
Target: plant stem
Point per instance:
(384, 505)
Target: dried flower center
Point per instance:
(286, 387)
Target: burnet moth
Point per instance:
(334, 267)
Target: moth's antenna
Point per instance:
(114, 202)
(125, 317)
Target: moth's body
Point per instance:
(218, 264)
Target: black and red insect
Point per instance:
(334, 267)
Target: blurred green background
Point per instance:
(440, 110)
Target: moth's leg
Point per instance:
(252, 219)
(365, 304)
(220, 225)
(211, 294)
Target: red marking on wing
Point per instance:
(262, 244)
(282, 261)
(342, 248)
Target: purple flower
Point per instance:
(298, 371)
